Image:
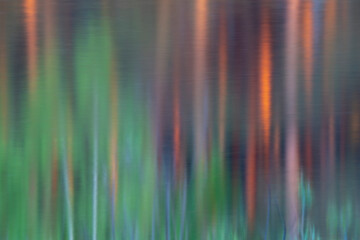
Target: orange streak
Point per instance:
(176, 119)
(222, 79)
(329, 31)
(251, 181)
(265, 81)
(251, 177)
(199, 94)
(308, 45)
(330, 19)
(200, 44)
(31, 40)
(308, 65)
(251, 164)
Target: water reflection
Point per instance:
(173, 119)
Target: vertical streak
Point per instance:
(95, 167)
(67, 165)
(265, 81)
(168, 207)
(308, 69)
(49, 40)
(29, 8)
(69, 154)
(223, 62)
(176, 119)
(183, 211)
(292, 168)
(113, 122)
(251, 162)
(54, 182)
(199, 101)
(51, 93)
(3, 79)
(345, 28)
(31, 40)
(308, 46)
(162, 45)
(329, 35)
(67, 192)
(113, 141)
(328, 98)
(160, 69)
(277, 145)
(200, 45)
(70, 174)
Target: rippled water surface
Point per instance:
(179, 119)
